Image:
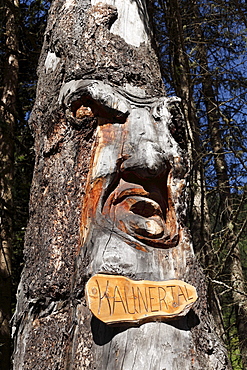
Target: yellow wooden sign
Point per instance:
(117, 299)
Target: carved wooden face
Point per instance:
(137, 174)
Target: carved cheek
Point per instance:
(107, 150)
(104, 155)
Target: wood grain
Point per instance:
(117, 299)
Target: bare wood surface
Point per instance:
(117, 299)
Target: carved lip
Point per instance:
(134, 211)
(140, 216)
(126, 191)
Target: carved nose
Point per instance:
(142, 154)
(144, 165)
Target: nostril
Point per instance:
(138, 167)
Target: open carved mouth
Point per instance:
(136, 212)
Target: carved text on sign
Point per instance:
(116, 299)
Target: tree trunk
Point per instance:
(7, 123)
(108, 197)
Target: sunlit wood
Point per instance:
(116, 299)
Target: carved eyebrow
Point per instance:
(113, 100)
(95, 92)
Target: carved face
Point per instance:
(136, 174)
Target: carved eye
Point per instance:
(86, 108)
(81, 108)
(82, 112)
(89, 99)
(81, 116)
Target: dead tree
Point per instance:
(108, 206)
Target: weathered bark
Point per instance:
(108, 196)
(7, 123)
